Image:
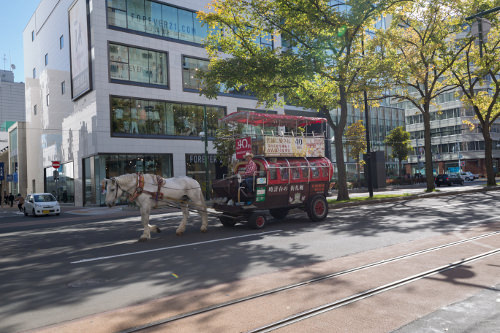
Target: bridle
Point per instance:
(116, 187)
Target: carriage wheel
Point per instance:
(278, 213)
(257, 221)
(227, 221)
(317, 208)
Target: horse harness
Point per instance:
(158, 195)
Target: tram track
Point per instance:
(338, 303)
(365, 294)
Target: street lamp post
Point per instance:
(205, 120)
(368, 160)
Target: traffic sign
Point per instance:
(56, 164)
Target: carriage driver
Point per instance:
(250, 171)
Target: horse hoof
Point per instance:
(158, 230)
(179, 233)
(143, 239)
(203, 229)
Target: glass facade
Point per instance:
(63, 187)
(162, 21)
(13, 162)
(190, 68)
(96, 168)
(195, 168)
(157, 19)
(140, 66)
(382, 121)
(150, 118)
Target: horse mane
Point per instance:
(128, 177)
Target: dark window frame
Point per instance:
(157, 136)
(138, 83)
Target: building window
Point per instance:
(61, 42)
(190, 69)
(34, 109)
(48, 99)
(34, 73)
(154, 18)
(46, 59)
(190, 82)
(63, 87)
(137, 65)
(146, 118)
(32, 35)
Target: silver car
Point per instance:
(41, 204)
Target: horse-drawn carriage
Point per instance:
(292, 170)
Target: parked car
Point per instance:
(468, 176)
(41, 204)
(448, 179)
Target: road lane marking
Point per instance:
(171, 247)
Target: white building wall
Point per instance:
(84, 125)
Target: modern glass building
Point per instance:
(455, 147)
(111, 88)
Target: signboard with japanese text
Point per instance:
(243, 145)
(282, 146)
(2, 173)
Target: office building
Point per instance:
(111, 89)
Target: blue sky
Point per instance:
(15, 17)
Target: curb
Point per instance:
(409, 197)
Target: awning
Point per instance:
(267, 119)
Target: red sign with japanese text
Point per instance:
(243, 146)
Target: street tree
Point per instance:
(356, 143)
(319, 64)
(421, 43)
(399, 141)
(477, 74)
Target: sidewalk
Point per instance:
(409, 191)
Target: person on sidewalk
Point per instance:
(20, 202)
(11, 199)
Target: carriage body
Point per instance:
(292, 172)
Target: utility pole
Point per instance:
(205, 127)
(368, 161)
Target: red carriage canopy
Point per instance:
(268, 119)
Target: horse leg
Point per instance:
(204, 219)
(185, 214)
(146, 235)
(203, 212)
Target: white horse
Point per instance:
(149, 190)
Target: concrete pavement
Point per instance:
(410, 191)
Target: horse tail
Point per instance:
(202, 199)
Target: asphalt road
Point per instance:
(55, 269)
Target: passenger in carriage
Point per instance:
(250, 171)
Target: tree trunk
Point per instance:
(488, 156)
(342, 192)
(429, 176)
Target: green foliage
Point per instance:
(477, 74)
(321, 68)
(355, 139)
(399, 140)
(420, 47)
(224, 143)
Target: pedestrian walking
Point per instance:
(11, 199)
(20, 202)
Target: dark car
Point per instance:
(448, 179)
